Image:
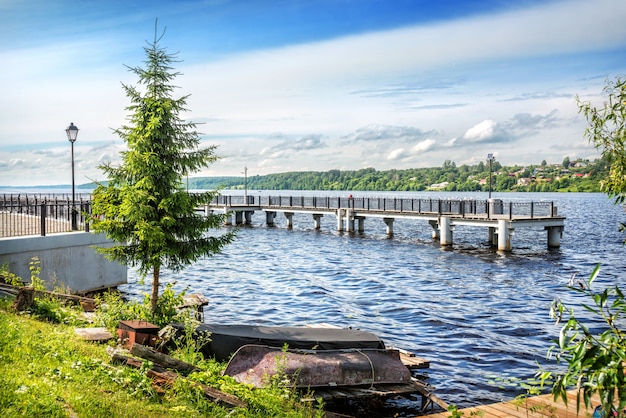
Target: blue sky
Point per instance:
(290, 85)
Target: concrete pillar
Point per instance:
(207, 210)
(361, 224)
(389, 223)
(492, 236)
(316, 220)
(504, 235)
(445, 231)
(248, 216)
(289, 216)
(228, 218)
(555, 233)
(269, 218)
(435, 227)
(238, 217)
(349, 221)
(340, 220)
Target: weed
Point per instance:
(9, 277)
(112, 308)
(35, 274)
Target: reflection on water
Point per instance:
(480, 316)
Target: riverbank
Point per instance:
(46, 370)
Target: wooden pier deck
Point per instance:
(542, 406)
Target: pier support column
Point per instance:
(555, 233)
(361, 224)
(504, 235)
(349, 221)
(248, 217)
(492, 236)
(289, 216)
(316, 220)
(445, 231)
(238, 217)
(435, 227)
(228, 218)
(340, 220)
(389, 223)
(269, 218)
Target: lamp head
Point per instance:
(72, 132)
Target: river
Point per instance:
(481, 317)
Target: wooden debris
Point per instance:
(163, 360)
(197, 302)
(25, 296)
(24, 299)
(162, 376)
(428, 398)
(88, 306)
(411, 361)
(212, 393)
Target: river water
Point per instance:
(481, 317)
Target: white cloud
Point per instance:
(396, 154)
(481, 132)
(370, 99)
(423, 146)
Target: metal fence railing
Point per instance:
(480, 208)
(28, 215)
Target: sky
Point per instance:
(299, 85)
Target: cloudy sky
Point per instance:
(290, 85)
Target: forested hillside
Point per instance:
(568, 176)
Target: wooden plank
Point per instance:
(508, 409)
(163, 360)
(546, 406)
(541, 406)
(411, 361)
(159, 374)
(212, 393)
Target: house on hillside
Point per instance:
(439, 186)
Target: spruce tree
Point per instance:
(144, 206)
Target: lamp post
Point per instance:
(490, 158)
(72, 133)
(245, 184)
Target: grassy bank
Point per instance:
(45, 370)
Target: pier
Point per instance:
(500, 218)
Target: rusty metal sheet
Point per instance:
(257, 364)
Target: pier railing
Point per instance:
(39, 215)
(45, 214)
(465, 208)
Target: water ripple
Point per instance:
(481, 317)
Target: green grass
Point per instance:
(46, 371)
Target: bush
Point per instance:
(595, 362)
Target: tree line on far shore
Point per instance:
(569, 176)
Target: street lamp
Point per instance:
(245, 185)
(490, 158)
(72, 133)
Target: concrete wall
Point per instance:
(69, 259)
